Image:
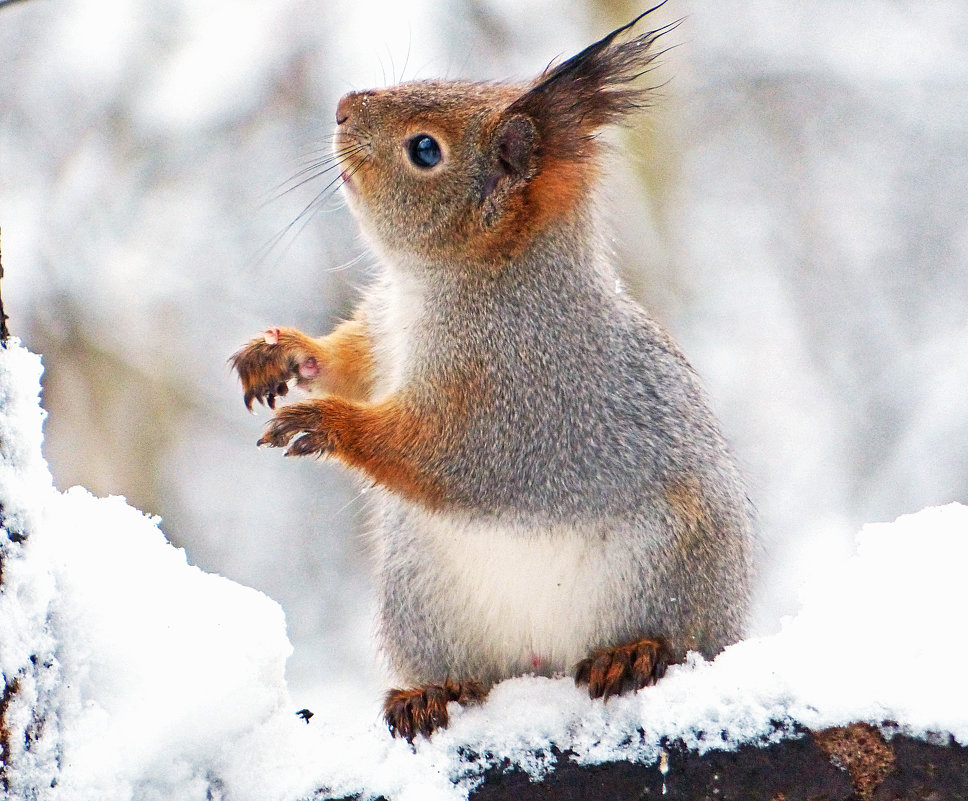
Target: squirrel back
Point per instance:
(552, 480)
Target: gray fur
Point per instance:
(591, 415)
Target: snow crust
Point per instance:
(141, 677)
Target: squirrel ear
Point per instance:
(511, 163)
(570, 101)
(514, 144)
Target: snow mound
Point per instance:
(134, 674)
(131, 674)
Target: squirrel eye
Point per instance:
(424, 151)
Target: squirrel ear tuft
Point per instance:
(511, 163)
(570, 101)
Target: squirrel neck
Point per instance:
(567, 253)
(434, 318)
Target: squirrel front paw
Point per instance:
(423, 709)
(271, 360)
(303, 427)
(622, 668)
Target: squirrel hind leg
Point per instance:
(627, 667)
(423, 709)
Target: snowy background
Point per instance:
(795, 210)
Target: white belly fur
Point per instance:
(530, 598)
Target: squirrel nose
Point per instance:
(343, 108)
(348, 104)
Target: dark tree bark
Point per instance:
(852, 763)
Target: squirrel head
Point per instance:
(469, 174)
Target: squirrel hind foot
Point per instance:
(423, 709)
(618, 669)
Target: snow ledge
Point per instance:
(129, 673)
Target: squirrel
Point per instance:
(553, 492)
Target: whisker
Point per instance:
(325, 145)
(353, 500)
(329, 157)
(393, 69)
(406, 60)
(307, 213)
(313, 171)
(321, 167)
(349, 263)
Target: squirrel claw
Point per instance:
(268, 363)
(622, 668)
(301, 427)
(423, 709)
(280, 391)
(308, 444)
(265, 396)
(273, 437)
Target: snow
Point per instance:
(156, 664)
(141, 676)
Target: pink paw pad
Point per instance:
(309, 368)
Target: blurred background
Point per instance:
(794, 208)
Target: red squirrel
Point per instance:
(554, 493)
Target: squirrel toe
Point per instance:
(619, 669)
(423, 709)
